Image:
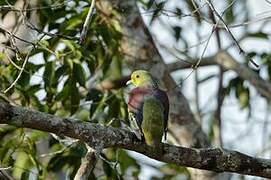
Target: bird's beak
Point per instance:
(129, 82)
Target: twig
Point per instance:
(31, 26)
(213, 30)
(196, 89)
(87, 22)
(5, 168)
(4, 174)
(265, 127)
(13, 35)
(12, 8)
(10, 60)
(194, 67)
(170, 13)
(59, 151)
(229, 32)
(217, 114)
(197, 96)
(20, 73)
(87, 165)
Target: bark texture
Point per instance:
(213, 159)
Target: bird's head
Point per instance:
(142, 78)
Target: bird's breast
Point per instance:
(136, 99)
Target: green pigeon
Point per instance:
(148, 108)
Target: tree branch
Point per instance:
(87, 165)
(228, 62)
(217, 115)
(112, 84)
(178, 65)
(224, 59)
(87, 22)
(214, 159)
(4, 173)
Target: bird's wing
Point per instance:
(153, 120)
(162, 96)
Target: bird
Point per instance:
(148, 108)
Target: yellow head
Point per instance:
(142, 78)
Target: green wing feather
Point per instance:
(153, 121)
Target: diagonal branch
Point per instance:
(228, 62)
(87, 165)
(87, 22)
(224, 59)
(20, 73)
(213, 159)
(229, 31)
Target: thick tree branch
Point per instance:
(214, 159)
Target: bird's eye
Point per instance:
(137, 76)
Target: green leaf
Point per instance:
(66, 160)
(94, 95)
(126, 161)
(64, 93)
(3, 151)
(229, 14)
(194, 8)
(159, 7)
(25, 175)
(24, 79)
(150, 4)
(109, 171)
(49, 74)
(60, 72)
(33, 89)
(79, 74)
(91, 62)
(258, 35)
(244, 98)
(69, 44)
(75, 96)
